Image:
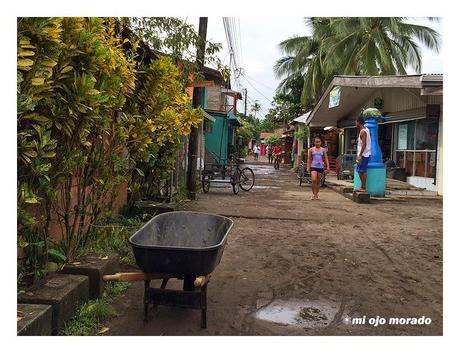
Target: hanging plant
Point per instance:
(302, 133)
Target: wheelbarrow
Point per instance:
(184, 245)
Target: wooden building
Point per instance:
(411, 135)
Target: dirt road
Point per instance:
(298, 267)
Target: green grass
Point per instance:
(90, 316)
(113, 290)
(106, 239)
(113, 238)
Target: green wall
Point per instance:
(216, 142)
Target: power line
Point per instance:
(260, 83)
(230, 34)
(247, 80)
(241, 44)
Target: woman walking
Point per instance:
(316, 157)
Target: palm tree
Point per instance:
(304, 57)
(256, 108)
(351, 46)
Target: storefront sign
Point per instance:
(334, 97)
(402, 137)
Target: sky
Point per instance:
(259, 38)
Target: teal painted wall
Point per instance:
(216, 141)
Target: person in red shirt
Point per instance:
(277, 154)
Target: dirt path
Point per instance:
(324, 260)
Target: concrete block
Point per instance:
(347, 189)
(34, 320)
(94, 267)
(63, 292)
(361, 197)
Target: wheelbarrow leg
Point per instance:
(188, 283)
(204, 322)
(146, 300)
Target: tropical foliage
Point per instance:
(272, 140)
(351, 46)
(179, 40)
(91, 116)
(286, 106)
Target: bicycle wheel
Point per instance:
(205, 183)
(308, 178)
(236, 188)
(323, 180)
(234, 180)
(246, 179)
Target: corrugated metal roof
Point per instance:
(264, 135)
(302, 119)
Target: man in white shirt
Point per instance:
(364, 151)
(256, 152)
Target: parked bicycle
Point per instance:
(304, 175)
(277, 161)
(230, 173)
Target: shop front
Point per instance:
(411, 134)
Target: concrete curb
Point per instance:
(36, 320)
(94, 267)
(63, 292)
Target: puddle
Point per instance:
(265, 187)
(299, 313)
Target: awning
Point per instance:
(231, 93)
(301, 119)
(357, 90)
(233, 119)
(208, 116)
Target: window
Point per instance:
(350, 140)
(427, 131)
(416, 145)
(406, 136)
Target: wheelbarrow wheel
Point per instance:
(205, 183)
(246, 179)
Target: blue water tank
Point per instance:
(376, 170)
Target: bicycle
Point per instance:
(243, 178)
(277, 161)
(304, 175)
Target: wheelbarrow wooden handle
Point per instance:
(136, 276)
(201, 281)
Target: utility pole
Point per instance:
(197, 94)
(245, 101)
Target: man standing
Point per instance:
(256, 152)
(269, 153)
(364, 151)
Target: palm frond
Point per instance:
(283, 66)
(426, 35)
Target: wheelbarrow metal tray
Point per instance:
(182, 242)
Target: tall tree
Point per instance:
(256, 108)
(351, 46)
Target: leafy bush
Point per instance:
(91, 116)
(272, 140)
